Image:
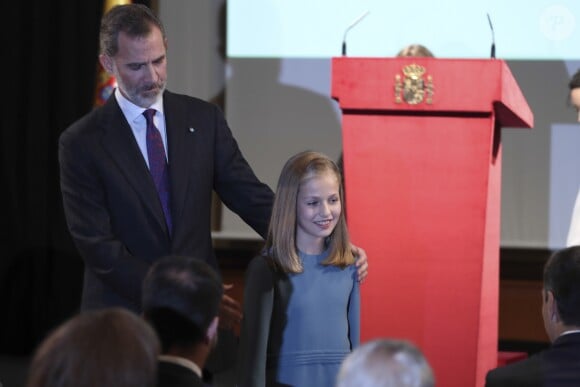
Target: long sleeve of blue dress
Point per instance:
(258, 304)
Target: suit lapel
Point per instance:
(179, 137)
(119, 142)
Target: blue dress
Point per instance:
(297, 328)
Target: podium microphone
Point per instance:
(492, 37)
(354, 23)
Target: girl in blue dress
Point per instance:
(301, 309)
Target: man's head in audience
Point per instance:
(108, 347)
(181, 298)
(561, 293)
(385, 363)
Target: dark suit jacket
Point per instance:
(111, 204)
(557, 366)
(175, 375)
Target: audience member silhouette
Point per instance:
(108, 347)
(557, 366)
(181, 298)
(386, 363)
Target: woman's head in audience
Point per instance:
(109, 347)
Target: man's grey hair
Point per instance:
(386, 363)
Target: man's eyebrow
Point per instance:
(160, 57)
(135, 63)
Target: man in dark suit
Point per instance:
(181, 298)
(559, 365)
(137, 174)
(113, 208)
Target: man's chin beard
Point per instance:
(148, 99)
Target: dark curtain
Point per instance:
(49, 52)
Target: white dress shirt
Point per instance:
(138, 124)
(182, 362)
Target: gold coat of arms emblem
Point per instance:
(414, 88)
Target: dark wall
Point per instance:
(49, 55)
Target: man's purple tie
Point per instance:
(158, 164)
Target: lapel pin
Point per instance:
(191, 130)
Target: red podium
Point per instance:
(422, 163)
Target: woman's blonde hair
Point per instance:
(415, 50)
(281, 241)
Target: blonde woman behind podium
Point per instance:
(415, 50)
